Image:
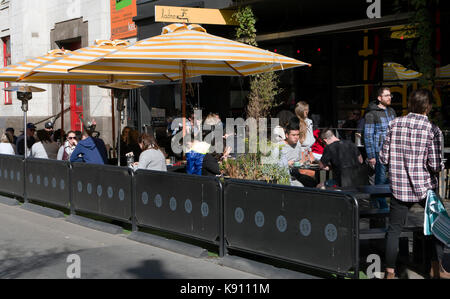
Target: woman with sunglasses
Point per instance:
(69, 146)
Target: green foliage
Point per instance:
(246, 32)
(420, 49)
(250, 167)
(264, 87)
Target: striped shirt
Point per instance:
(413, 151)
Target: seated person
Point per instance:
(291, 152)
(151, 158)
(201, 162)
(343, 157)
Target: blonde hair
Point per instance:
(6, 138)
(300, 112)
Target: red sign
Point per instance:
(122, 13)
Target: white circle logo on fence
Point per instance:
(54, 183)
(205, 209)
(331, 233)
(158, 200)
(110, 192)
(89, 188)
(305, 227)
(144, 198)
(62, 184)
(121, 195)
(99, 190)
(38, 180)
(80, 186)
(259, 219)
(46, 181)
(173, 204)
(30, 178)
(239, 215)
(5, 174)
(188, 206)
(11, 175)
(281, 224)
(18, 176)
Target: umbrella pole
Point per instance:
(113, 124)
(183, 95)
(62, 113)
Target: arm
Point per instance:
(384, 153)
(369, 135)
(60, 153)
(74, 157)
(434, 160)
(211, 165)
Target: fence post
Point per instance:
(72, 208)
(133, 201)
(222, 247)
(25, 177)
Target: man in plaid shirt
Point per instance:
(413, 151)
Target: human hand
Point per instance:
(372, 162)
(291, 163)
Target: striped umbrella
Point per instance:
(188, 51)
(394, 71)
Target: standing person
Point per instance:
(413, 151)
(124, 145)
(49, 128)
(11, 132)
(151, 157)
(88, 151)
(45, 148)
(20, 144)
(306, 125)
(377, 121)
(66, 150)
(6, 145)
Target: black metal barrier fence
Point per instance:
(103, 190)
(305, 226)
(310, 227)
(48, 181)
(11, 175)
(188, 205)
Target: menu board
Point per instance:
(122, 13)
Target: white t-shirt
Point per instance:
(7, 149)
(309, 140)
(44, 150)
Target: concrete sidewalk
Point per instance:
(36, 246)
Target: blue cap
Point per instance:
(31, 126)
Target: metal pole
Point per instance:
(25, 134)
(113, 123)
(62, 113)
(183, 92)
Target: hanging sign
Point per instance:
(174, 14)
(122, 13)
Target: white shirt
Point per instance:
(44, 151)
(7, 149)
(309, 140)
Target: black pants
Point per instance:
(306, 180)
(397, 220)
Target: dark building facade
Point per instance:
(346, 48)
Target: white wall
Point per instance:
(30, 23)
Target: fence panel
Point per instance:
(48, 181)
(180, 203)
(11, 175)
(311, 227)
(103, 190)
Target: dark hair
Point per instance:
(326, 134)
(381, 90)
(148, 141)
(78, 134)
(293, 125)
(43, 136)
(420, 101)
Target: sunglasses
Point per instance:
(71, 138)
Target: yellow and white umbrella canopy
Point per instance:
(203, 54)
(443, 72)
(13, 72)
(57, 70)
(394, 71)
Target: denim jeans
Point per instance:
(381, 179)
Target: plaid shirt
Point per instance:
(413, 151)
